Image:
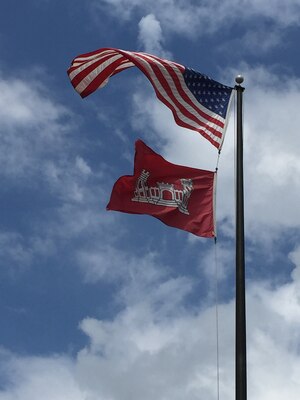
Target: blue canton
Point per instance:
(211, 94)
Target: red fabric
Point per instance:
(161, 180)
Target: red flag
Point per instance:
(179, 196)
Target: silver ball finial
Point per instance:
(239, 79)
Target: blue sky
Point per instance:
(99, 305)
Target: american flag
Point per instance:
(196, 101)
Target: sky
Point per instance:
(101, 305)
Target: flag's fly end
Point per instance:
(181, 197)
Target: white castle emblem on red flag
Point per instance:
(164, 194)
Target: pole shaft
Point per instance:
(240, 327)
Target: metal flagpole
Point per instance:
(240, 305)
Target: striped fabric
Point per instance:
(196, 101)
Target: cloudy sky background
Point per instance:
(99, 305)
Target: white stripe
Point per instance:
(176, 68)
(82, 67)
(186, 105)
(181, 116)
(93, 74)
(76, 62)
(126, 64)
(161, 59)
(81, 59)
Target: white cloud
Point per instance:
(247, 42)
(34, 378)
(143, 279)
(31, 126)
(274, 340)
(40, 157)
(162, 359)
(295, 258)
(217, 263)
(82, 165)
(151, 352)
(271, 160)
(187, 18)
(285, 14)
(23, 103)
(13, 248)
(151, 37)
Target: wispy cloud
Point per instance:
(187, 18)
(41, 156)
(150, 36)
(32, 126)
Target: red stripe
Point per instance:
(83, 62)
(82, 75)
(100, 78)
(107, 72)
(93, 53)
(121, 69)
(183, 94)
(85, 72)
(161, 77)
(162, 61)
(163, 81)
(163, 99)
(177, 84)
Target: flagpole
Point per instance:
(240, 305)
